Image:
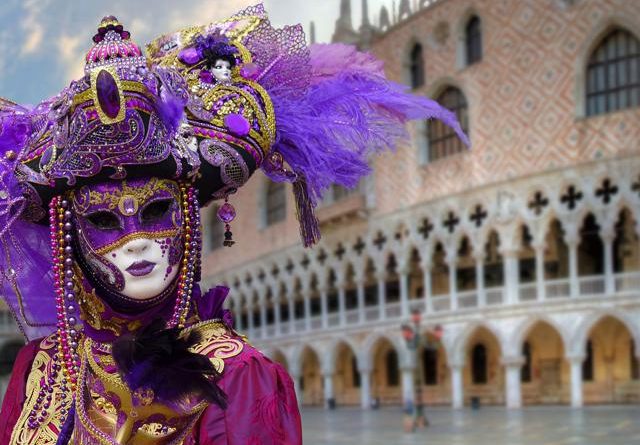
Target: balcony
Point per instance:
(526, 294)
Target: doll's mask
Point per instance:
(129, 234)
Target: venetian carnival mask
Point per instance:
(130, 234)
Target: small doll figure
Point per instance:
(215, 57)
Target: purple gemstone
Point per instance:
(206, 77)
(108, 95)
(189, 56)
(129, 205)
(226, 213)
(249, 71)
(237, 124)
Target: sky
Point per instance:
(43, 42)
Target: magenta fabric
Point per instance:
(262, 403)
(15, 396)
(262, 406)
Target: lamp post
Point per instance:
(414, 412)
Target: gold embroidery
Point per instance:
(41, 369)
(139, 194)
(169, 233)
(217, 343)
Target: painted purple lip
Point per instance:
(141, 268)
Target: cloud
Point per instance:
(32, 25)
(70, 54)
(203, 12)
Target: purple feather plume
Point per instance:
(160, 359)
(348, 112)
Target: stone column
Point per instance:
(328, 389)
(480, 288)
(342, 307)
(250, 319)
(365, 388)
(609, 280)
(453, 280)
(457, 388)
(513, 366)
(360, 284)
(295, 376)
(408, 387)
(541, 290)
(306, 294)
(292, 313)
(323, 308)
(382, 296)
(426, 287)
(574, 285)
(276, 314)
(511, 276)
(576, 379)
(237, 315)
(403, 276)
(263, 315)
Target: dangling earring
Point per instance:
(226, 214)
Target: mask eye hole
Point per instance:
(156, 210)
(104, 220)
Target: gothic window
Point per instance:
(275, 206)
(430, 366)
(479, 364)
(416, 66)
(613, 74)
(473, 41)
(216, 230)
(391, 363)
(525, 374)
(442, 140)
(587, 365)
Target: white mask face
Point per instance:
(145, 266)
(221, 71)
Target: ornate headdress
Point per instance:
(207, 106)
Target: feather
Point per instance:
(170, 108)
(159, 359)
(328, 135)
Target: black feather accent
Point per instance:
(159, 358)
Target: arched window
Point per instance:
(479, 364)
(416, 66)
(430, 366)
(587, 365)
(525, 374)
(613, 74)
(443, 141)
(391, 363)
(276, 203)
(216, 230)
(473, 40)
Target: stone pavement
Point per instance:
(552, 425)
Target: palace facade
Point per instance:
(524, 249)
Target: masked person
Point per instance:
(100, 196)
